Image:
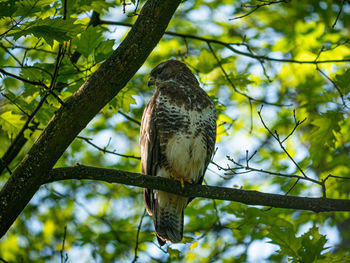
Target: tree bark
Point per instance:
(84, 104)
(81, 172)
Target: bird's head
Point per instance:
(168, 70)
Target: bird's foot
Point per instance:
(182, 180)
(188, 180)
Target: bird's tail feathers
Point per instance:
(169, 221)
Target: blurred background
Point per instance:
(278, 73)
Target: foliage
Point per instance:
(290, 56)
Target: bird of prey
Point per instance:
(177, 136)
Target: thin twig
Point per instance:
(249, 169)
(22, 79)
(41, 102)
(251, 116)
(287, 193)
(12, 55)
(64, 256)
(104, 150)
(335, 176)
(104, 220)
(30, 48)
(23, 17)
(134, 13)
(247, 14)
(229, 46)
(60, 56)
(124, 6)
(256, 7)
(64, 9)
(30, 67)
(129, 118)
(334, 84)
(216, 212)
(338, 15)
(290, 189)
(14, 103)
(215, 208)
(137, 236)
(137, 6)
(297, 123)
(232, 84)
(277, 138)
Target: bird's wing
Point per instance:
(150, 150)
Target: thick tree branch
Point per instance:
(84, 104)
(248, 197)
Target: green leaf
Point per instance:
(312, 245)
(26, 8)
(325, 125)
(104, 50)
(334, 258)
(343, 81)
(11, 123)
(187, 239)
(174, 253)
(240, 80)
(89, 40)
(23, 8)
(205, 62)
(33, 74)
(194, 245)
(285, 238)
(21, 102)
(50, 29)
(7, 8)
(123, 100)
(98, 6)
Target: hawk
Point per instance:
(177, 136)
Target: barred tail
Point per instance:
(169, 219)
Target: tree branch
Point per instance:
(256, 7)
(338, 15)
(81, 172)
(22, 79)
(20, 140)
(104, 150)
(78, 110)
(229, 46)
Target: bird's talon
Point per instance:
(188, 180)
(182, 183)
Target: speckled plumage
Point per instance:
(178, 132)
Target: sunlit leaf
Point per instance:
(11, 123)
(88, 41)
(343, 81)
(49, 29)
(194, 245)
(312, 245)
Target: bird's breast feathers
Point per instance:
(185, 147)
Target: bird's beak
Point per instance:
(150, 82)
